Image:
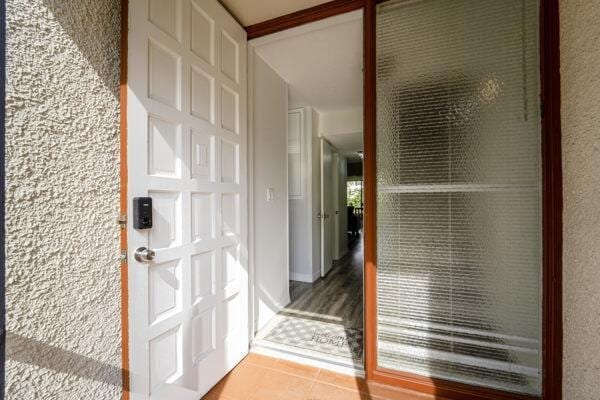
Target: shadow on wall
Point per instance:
(82, 20)
(33, 352)
(63, 129)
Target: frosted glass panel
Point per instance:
(459, 191)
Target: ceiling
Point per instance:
(349, 144)
(321, 62)
(249, 12)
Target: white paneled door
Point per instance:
(187, 152)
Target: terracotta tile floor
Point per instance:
(259, 377)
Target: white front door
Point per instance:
(187, 152)
(327, 208)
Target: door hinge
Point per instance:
(123, 256)
(122, 221)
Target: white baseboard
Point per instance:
(316, 275)
(300, 277)
(342, 254)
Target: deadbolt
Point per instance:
(143, 254)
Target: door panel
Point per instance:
(327, 208)
(186, 150)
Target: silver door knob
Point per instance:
(143, 254)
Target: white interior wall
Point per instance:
(270, 230)
(342, 122)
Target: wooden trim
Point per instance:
(369, 187)
(552, 201)
(302, 17)
(123, 199)
(443, 388)
(552, 223)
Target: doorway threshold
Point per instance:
(307, 357)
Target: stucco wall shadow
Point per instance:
(62, 200)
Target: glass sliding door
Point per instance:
(459, 196)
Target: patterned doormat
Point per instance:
(318, 336)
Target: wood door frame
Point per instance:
(552, 199)
(552, 223)
(123, 176)
(312, 14)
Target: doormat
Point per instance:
(318, 336)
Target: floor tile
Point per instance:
(259, 359)
(322, 391)
(239, 382)
(275, 385)
(260, 377)
(304, 371)
(346, 381)
(216, 396)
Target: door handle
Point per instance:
(143, 254)
(320, 216)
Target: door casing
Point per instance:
(552, 188)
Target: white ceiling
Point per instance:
(348, 144)
(321, 62)
(250, 12)
(344, 130)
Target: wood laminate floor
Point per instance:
(324, 317)
(338, 297)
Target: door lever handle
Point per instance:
(143, 254)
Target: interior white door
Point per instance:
(335, 179)
(187, 151)
(327, 208)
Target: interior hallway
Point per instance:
(325, 317)
(337, 297)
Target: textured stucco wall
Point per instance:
(63, 299)
(580, 85)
